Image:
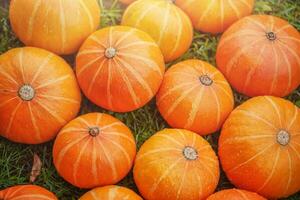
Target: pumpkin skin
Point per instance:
(120, 68)
(127, 2)
(57, 26)
(176, 164)
(259, 146)
(215, 16)
(259, 55)
(26, 192)
(235, 194)
(112, 192)
(194, 95)
(38, 95)
(81, 151)
(169, 26)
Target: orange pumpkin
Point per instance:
(94, 150)
(111, 192)
(194, 95)
(176, 164)
(127, 2)
(120, 68)
(215, 16)
(26, 192)
(38, 95)
(260, 55)
(235, 194)
(259, 147)
(58, 26)
(169, 26)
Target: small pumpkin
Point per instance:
(194, 95)
(93, 150)
(57, 26)
(38, 95)
(215, 16)
(120, 68)
(26, 192)
(235, 194)
(176, 164)
(260, 55)
(111, 192)
(169, 26)
(259, 147)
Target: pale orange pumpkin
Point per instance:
(59, 26)
(176, 164)
(94, 150)
(38, 95)
(259, 147)
(235, 194)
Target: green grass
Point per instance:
(16, 159)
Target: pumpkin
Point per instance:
(176, 164)
(57, 26)
(235, 194)
(93, 150)
(260, 55)
(194, 95)
(112, 192)
(38, 95)
(259, 147)
(169, 26)
(120, 68)
(126, 2)
(27, 192)
(215, 16)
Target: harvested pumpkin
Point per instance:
(259, 147)
(57, 26)
(168, 25)
(38, 95)
(176, 164)
(235, 194)
(120, 68)
(94, 150)
(260, 55)
(112, 192)
(215, 16)
(194, 95)
(26, 192)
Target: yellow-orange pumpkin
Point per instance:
(112, 192)
(169, 26)
(94, 150)
(235, 194)
(194, 95)
(176, 164)
(120, 68)
(59, 26)
(260, 55)
(259, 147)
(26, 192)
(215, 16)
(38, 95)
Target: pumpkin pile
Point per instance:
(122, 68)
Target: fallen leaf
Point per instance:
(36, 168)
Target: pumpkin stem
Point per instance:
(190, 153)
(94, 131)
(110, 52)
(26, 92)
(206, 80)
(283, 137)
(271, 36)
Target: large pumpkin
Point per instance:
(111, 192)
(235, 194)
(169, 26)
(38, 95)
(176, 164)
(260, 55)
(120, 68)
(194, 95)
(26, 192)
(59, 26)
(259, 147)
(215, 16)
(94, 150)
